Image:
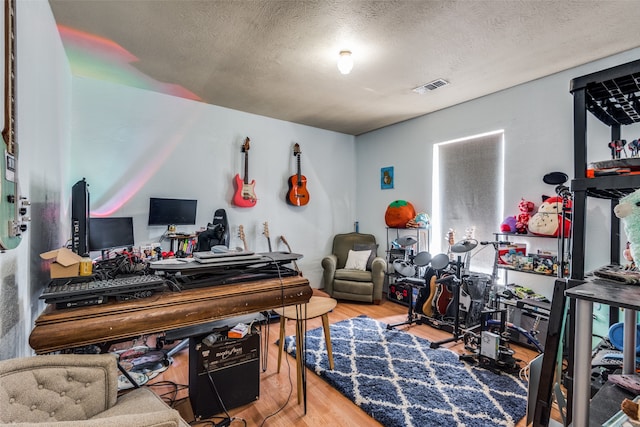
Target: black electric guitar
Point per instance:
(13, 208)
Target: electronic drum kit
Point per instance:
(411, 267)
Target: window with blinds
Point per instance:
(468, 177)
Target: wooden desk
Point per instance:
(67, 328)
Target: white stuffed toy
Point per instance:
(628, 210)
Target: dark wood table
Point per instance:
(58, 329)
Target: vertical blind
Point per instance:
(470, 180)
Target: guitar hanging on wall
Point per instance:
(245, 196)
(297, 194)
(13, 208)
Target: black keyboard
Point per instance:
(95, 291)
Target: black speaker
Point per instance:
(231, 365)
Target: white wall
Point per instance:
(131, 144)
(537, 119)
(42, 118)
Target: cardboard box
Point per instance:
(64, 262)
(507, 254)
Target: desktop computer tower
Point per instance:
(232, 364)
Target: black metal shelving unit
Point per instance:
(613, 97)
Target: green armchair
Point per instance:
(354, 284)
(76, 390)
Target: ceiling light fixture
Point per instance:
(345, 62)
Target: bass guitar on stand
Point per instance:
(295, 265)
(265, 231)
(242, 237)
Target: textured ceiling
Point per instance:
(278, 58)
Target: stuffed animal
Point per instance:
(628, 210)
(509, 225)
(399, 213)
(548, 220)
(518, 223)
(526, 208)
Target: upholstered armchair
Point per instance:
(76, 390)
(352, 274)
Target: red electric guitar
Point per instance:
(245, 196)
(444, 295)
(297, 194)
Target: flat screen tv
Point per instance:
(109, 233)
(172, 211)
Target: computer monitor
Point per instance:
(172, 211)
(109, 233)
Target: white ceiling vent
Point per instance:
(431, 86)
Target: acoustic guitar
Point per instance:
(245, 196)
(13, 208)
(297, 194)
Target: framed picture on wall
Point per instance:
(386, 178)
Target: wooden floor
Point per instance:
(325, 405)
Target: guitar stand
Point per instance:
(411, 318)
(457, 282)
(457, 335)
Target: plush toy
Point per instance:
(421, 220)
(509, 225)
(399, 213)
(548, 220)
(526, 208)
(518, 223)
(628, 210)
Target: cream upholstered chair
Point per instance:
(356, 284)
(76, 390)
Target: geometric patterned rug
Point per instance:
(398, 380)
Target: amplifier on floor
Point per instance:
(233, 365)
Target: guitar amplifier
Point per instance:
(226, 367)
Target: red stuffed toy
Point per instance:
(522, 219)
(548, 219)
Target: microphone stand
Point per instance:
(565, 193)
